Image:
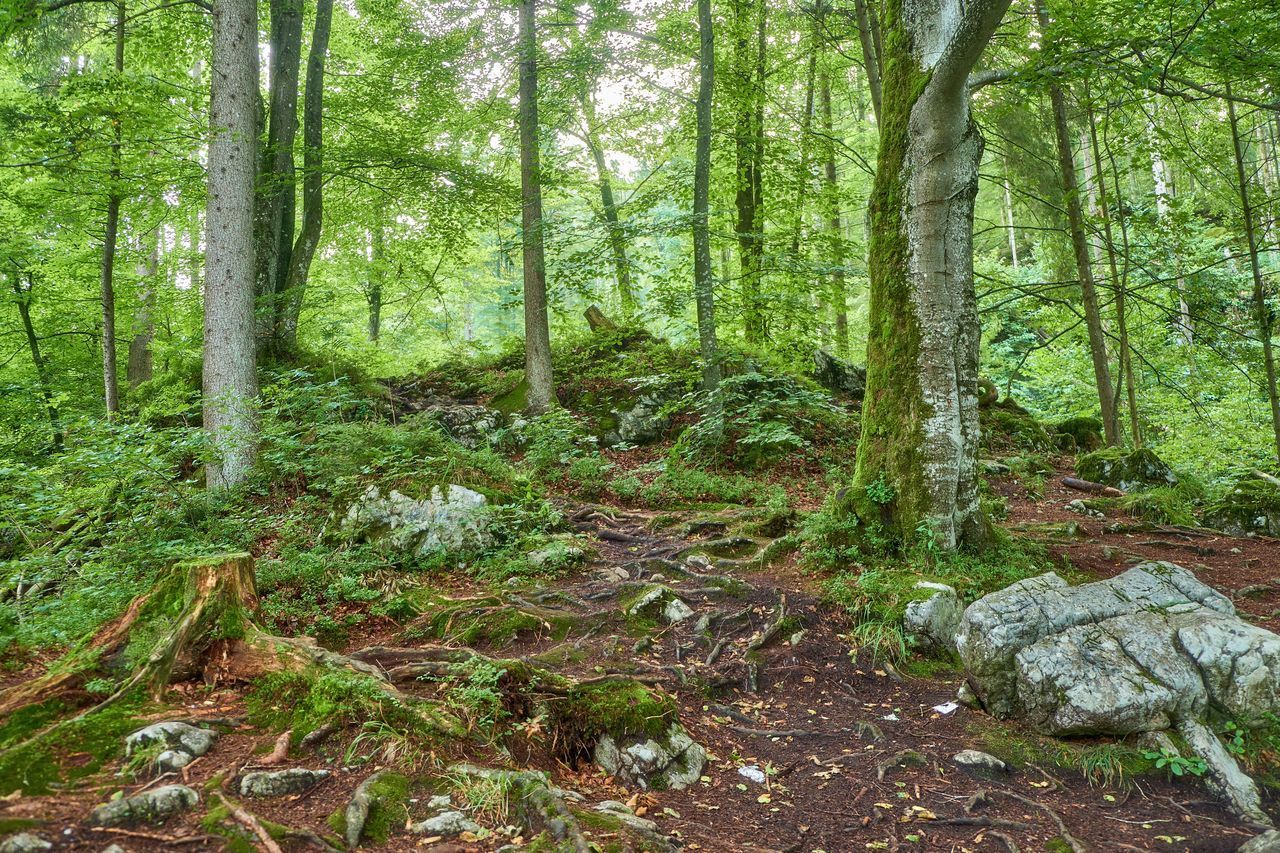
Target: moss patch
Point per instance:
(1124, 469)
(1252, 506)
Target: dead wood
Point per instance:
(1092, 488)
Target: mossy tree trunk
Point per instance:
(920, 414)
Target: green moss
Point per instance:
(490, 621)
(514, 399)
(1161, 505)
(1124, 469)
(1251, 506)
(1079, 434)
(1106, 763)
(388, 809)
(1007, 426)
(11, 825)
(36, 764)
(616, 708)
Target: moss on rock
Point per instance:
(1126, 470)
(1078, 435)
(1252, 506)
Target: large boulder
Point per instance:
(839, 376)
(1252, 506)
(455, 519)
(1127, 470)
(673, 761)
(1132, 653)
(934, 619)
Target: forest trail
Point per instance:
(846, 753)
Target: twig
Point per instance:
(152, 836)
(1076, 845)
(980, 820)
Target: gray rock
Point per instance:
(154, 806)
(674, 761)
(180, 738)
(446, 823)
(980, 762)
(454, 520)
(934, 621)
(839, 376)
(280, 783)
(1136, 469)
(1223, 776)
(1267, 842)
(643, 423)
(1079, 507)
(658, 601)
(469, 425)
(24, 842)
(618, 810)
(114, 848)
(440, 803)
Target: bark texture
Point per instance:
(749, 70)
(537, 334)
(111, 233)
(139, 368)
(230, 383)
(704, 280)
(917, 460)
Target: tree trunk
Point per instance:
(704, 282)
(617, 238)
(806, 131)
(111, 387)
(377, 274)
(1163, 180)
(276, 204)
(230, 377)
(870, 55)
(917, 460)
(835, 230)
(139, 369)
(1262, 313)
(22, 298)
(1084, 265)
(1008, 212)
(749, 58)
(304, 249)
(537, 334)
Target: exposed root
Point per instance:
(249, 822)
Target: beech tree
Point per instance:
(537, 334)
(917, 459)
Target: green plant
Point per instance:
(880, 491)
(1175, 763)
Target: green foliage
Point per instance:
(37, 763)
(1176, 763)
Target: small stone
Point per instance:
(618, 810)
(673, 762)
(446, 823)
(867, 730)
(906, 758)
(440, 802)
(965, 696)
(114, 848)
(173, 734)
(972, 759)
(698, 561)
(155, 806)
(279, 783)
(24, 842)
(172, 759)
(934, 620)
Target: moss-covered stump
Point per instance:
(1078, 435)
(1252, 506)
(1006, 426)
(1127, 470)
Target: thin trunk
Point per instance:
(1262, 313)
(537, 334)
(749, 21)
(111, 387)
(806, 130)
(704, 282)
(617, 237)
(22, 298)
(304, 249)
(1084, 266)
(230, 377)
(1008, 212)
(1119, 287)
(139, 369)
(917, 461)
(1127, 351)
(870, 54)
(377, 274)
(276, 193)
(835, 231)
(1163, 180)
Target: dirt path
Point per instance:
(853, 754)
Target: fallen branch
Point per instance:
(1091, 488)
(251, 823)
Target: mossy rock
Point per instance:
(1007, 426)
(1252, 506)
(1078, 435)
(514, 400)
(1127, 470)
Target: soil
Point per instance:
(825, 726)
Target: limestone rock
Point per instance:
(1125, 470)
(659, 602)
(1252, 506)
(934, 621)
(1223, 776)
(469, 425)
(280, 783)
(673, 761)
(1267, 842)
(24, 842)
(839, 376)
(613, 808)
(185, 743)
(454, 520)
(446, 823)
(154, 806)
(979, 762)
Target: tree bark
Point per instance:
(537, 334)
(377, 274)
(1008, 212)
(870, 55)
(835, 229)
(230, 377)
(22, 298)
(111, 386)
(1163, 180)
(1084, 265)
(304, 249)
(613, 228)
(704, 282)
(749, 64)
(1262, 314)
(806, 131)
(917, 459)
(276, 203)
(139, 368)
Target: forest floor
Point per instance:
(856, 754)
